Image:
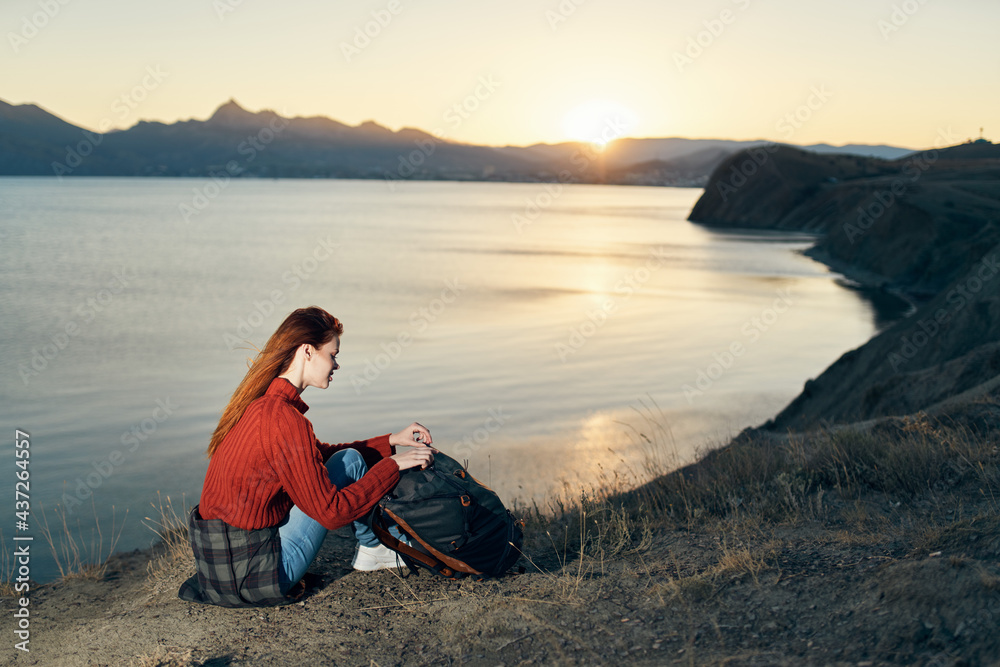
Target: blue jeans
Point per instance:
(302, 536)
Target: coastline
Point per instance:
(925, 243)
(864, 542)
(869, 281)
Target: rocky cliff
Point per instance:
(927, 226)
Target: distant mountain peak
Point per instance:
(231, 113)
(231, 106)
(373, 127)
(32, 113)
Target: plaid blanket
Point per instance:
(236, 567)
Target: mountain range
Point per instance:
(35, 142)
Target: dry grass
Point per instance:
(77, 557)
(174, 560)
(74, 555)
(853, 481)
(737, 559)
(741, 558)
(990, 581)
(763, 478)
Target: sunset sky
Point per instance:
(523, 71)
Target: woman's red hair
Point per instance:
(310, 325)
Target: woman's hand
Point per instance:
(414, 457)
(405, 438)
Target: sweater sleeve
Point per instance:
(298, 464)
(372, 450)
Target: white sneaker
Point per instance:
(376, 558)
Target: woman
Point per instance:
(272, 490)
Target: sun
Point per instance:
(598, 121)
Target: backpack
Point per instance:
(458, 527)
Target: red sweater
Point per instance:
(271, 459)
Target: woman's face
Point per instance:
(321, 364)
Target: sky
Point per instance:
(518, 72)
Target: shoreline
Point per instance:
(876, 541)
(869, 280)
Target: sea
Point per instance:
(556, 337)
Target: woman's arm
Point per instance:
(290, 450)
(375, 449)
(372, 450)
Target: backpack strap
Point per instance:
(377, 523)
(460, 568)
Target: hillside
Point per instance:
(875, 544)
(927, 226)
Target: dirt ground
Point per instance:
(781, 595)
